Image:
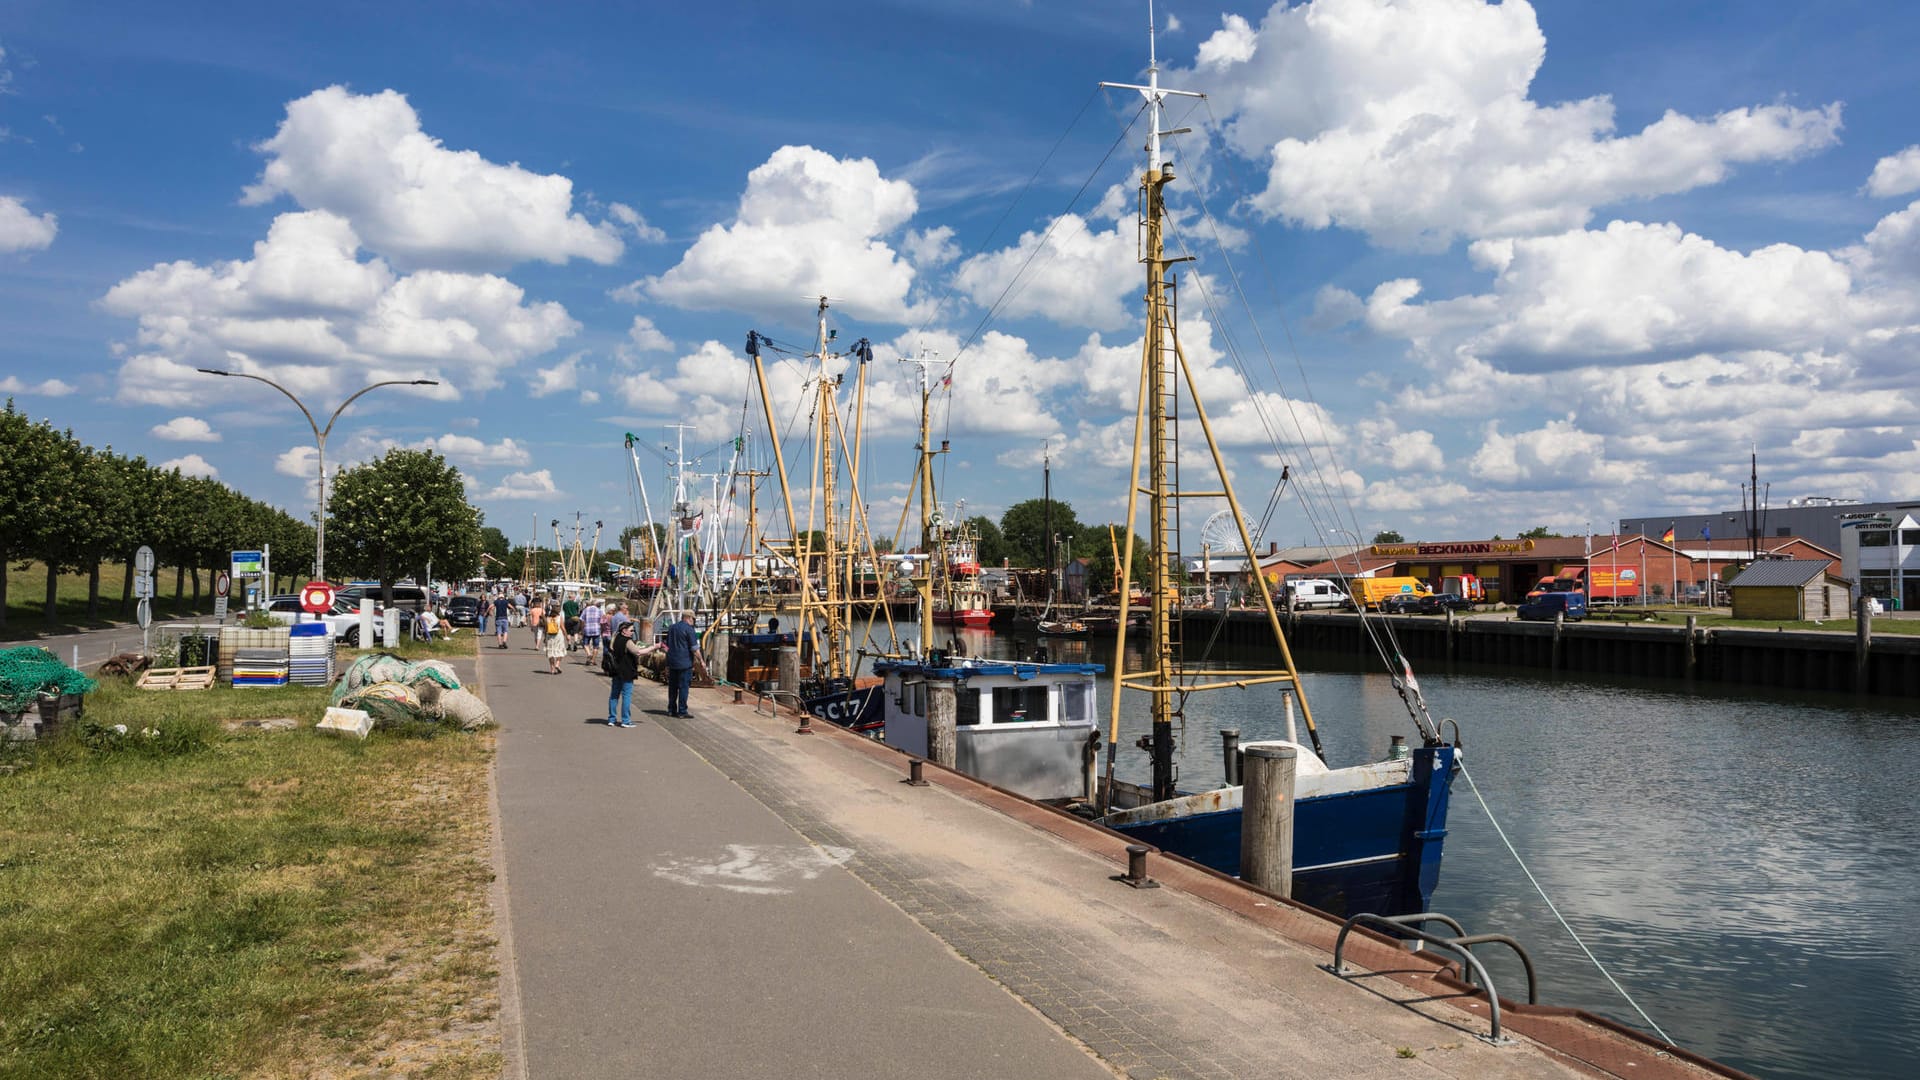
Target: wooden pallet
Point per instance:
(176, 678)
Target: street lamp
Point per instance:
(320, 438)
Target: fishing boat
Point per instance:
(1063, 627)
(1368, 836)
(831, 578)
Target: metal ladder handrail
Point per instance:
(760, 696)
(1460, 945)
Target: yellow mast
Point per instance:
(1163, 366)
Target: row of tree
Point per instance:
(74, 508)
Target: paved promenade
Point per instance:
(720, 897)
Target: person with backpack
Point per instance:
(590, 627)
(555, 636)
(622, 662)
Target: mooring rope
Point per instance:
(1551, 906)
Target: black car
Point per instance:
(1400, 604)
(1442, 602)
(464, 611)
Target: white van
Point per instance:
(1316, 592)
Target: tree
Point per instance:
(30, 466)
(1025, 527)
(992, 544)
(1539, 532)
(395, 515)
(495, 543)
(1388, 536)
(1100, 570)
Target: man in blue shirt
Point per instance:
(502, 608)
(683, 655)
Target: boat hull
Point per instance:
(856, 707)
(970, 617)
(1374, 850)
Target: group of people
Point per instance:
(681, 647)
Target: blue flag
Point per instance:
(1706, 532)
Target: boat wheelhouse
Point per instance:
(1031, 728)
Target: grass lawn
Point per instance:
(27, 599)
(205, 903)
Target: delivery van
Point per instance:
(1368, 592)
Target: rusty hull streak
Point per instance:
(1578, 1036)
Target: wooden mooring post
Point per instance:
(1863, 646)
(1266, 818)
(942, 712)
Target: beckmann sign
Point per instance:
(1480, 547)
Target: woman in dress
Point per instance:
(556, 640)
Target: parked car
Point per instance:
(464, 611)
(1570, 605)
(1442, 602)
(343, 621)
(1401, 604)
(406, 595)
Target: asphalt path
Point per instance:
(665, 923)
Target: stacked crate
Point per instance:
(310, 654)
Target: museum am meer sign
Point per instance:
(1437, 551)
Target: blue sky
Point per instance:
(1513, 264)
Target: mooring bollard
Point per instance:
(1136, 875)
(915, 766)
(1230, 755)
(1266, 818)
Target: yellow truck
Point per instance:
(1368, 592)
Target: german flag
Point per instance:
(1667, 537)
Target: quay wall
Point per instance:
(1883, 665)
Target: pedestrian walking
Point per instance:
(502, 618)
(537, 618)
(626, 654)
(590, 627)
(683, 657)
(616, 615)
(556, 640)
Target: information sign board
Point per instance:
(143, 560)
(248, 562)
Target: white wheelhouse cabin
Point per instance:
(1031, 728)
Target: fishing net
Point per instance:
(389, 703)
(28, 672)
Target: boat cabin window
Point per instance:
(1019, 704)
(966, 705)
(1076, 702)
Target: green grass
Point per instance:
(27, 599)
(198, 903)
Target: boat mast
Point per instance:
(835, 660)
(929, 540)
(1163, 369)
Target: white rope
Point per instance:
(1564, 925)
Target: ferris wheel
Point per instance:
(1219, 533)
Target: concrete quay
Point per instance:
(719, 896)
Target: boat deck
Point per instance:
(719, 896)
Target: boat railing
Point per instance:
(1460, 945)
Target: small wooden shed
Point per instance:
(1789, 589)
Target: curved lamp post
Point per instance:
(320, 438)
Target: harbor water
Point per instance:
(1744, 866)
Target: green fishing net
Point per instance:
(30, 671)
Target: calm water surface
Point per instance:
(1745, 866)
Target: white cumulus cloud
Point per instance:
(185, 429)
(1898, 174)
(365, 157)
(191, 465)
(1410, 120)
(23, 230)
(808, 224)
(537, 484)
(554, 378)
(13, 384)
(306, 312)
